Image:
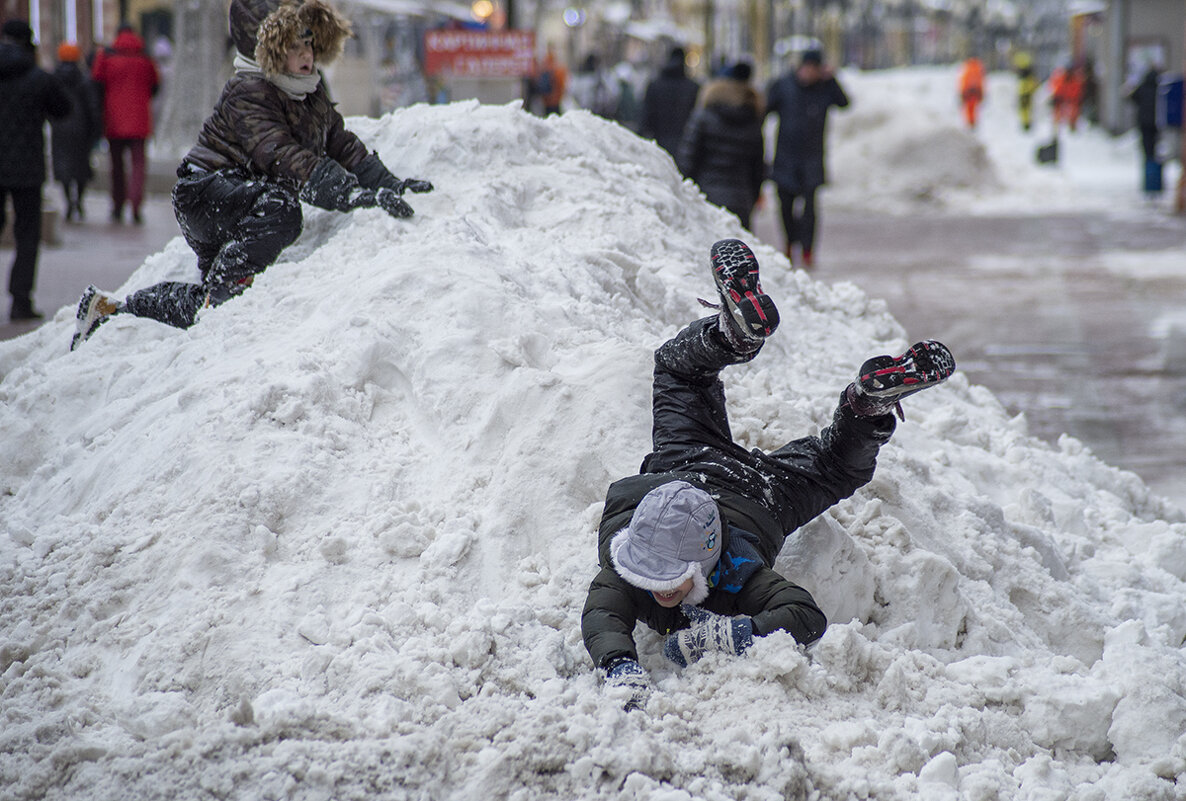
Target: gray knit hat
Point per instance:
(674, 535)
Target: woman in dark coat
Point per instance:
(76, 134)
(722, 148)
(668, 103)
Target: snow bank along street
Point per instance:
(333, 541)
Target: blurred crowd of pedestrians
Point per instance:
(714, 130)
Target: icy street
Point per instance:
(333, 541)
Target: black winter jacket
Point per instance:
(614, 606)
(667, 105)
(722, 148)
(802, 120)
(76, 134)
(28, 96)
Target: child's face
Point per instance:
(299, 60)
(672, 598)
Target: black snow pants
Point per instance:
(799, 226)
(691, 433)
(236, 225)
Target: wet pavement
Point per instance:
(1025, 303)
(1031, 312)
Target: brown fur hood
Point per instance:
(263, 30)
(726, 92)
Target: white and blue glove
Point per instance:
(709, 632)
(626, 678)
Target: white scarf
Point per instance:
(295, 86)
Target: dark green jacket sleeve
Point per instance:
(774, 603)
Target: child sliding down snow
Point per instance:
(273, 140)
(687, 546)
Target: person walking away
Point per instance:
(75, 135)
(28, 97)
(1066, 93)
(688, 545)
(722, 149)
(551, 82)
(1144, 97)
(594, 89)
(971, 89)
(801, 98)
(273, 140)
(129, 79)
(629, 109)
(668, 102)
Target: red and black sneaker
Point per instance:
(884, 380)
(751, 313)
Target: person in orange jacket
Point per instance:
(972, 89)
(1066, 96)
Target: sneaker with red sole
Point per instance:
(750, 313)
(884, 380)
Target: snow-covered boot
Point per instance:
(93, 310)
(884, 380)
(748, 315)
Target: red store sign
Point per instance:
(479, 54)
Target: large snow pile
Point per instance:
(333, 541)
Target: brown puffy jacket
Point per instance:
(256, 127)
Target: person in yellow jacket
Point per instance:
(972, 89)
(1027, 86)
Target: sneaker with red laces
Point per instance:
(884, 380)
(748, 314)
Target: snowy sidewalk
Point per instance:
(96, 251)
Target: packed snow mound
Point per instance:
(334, 540)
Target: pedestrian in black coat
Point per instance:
(688, 545)
(668, 103)
(74, 136)
(1144, 97)
(801, 100)
(722, 149)
(28, 97)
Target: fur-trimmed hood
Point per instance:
(726, 93)
(263, 30)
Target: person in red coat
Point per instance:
(129, 79)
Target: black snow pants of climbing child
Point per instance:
(236, 225)
(691, 434)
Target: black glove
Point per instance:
(332, 187)
(415, 185)
(392, 203)
(373, 174)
